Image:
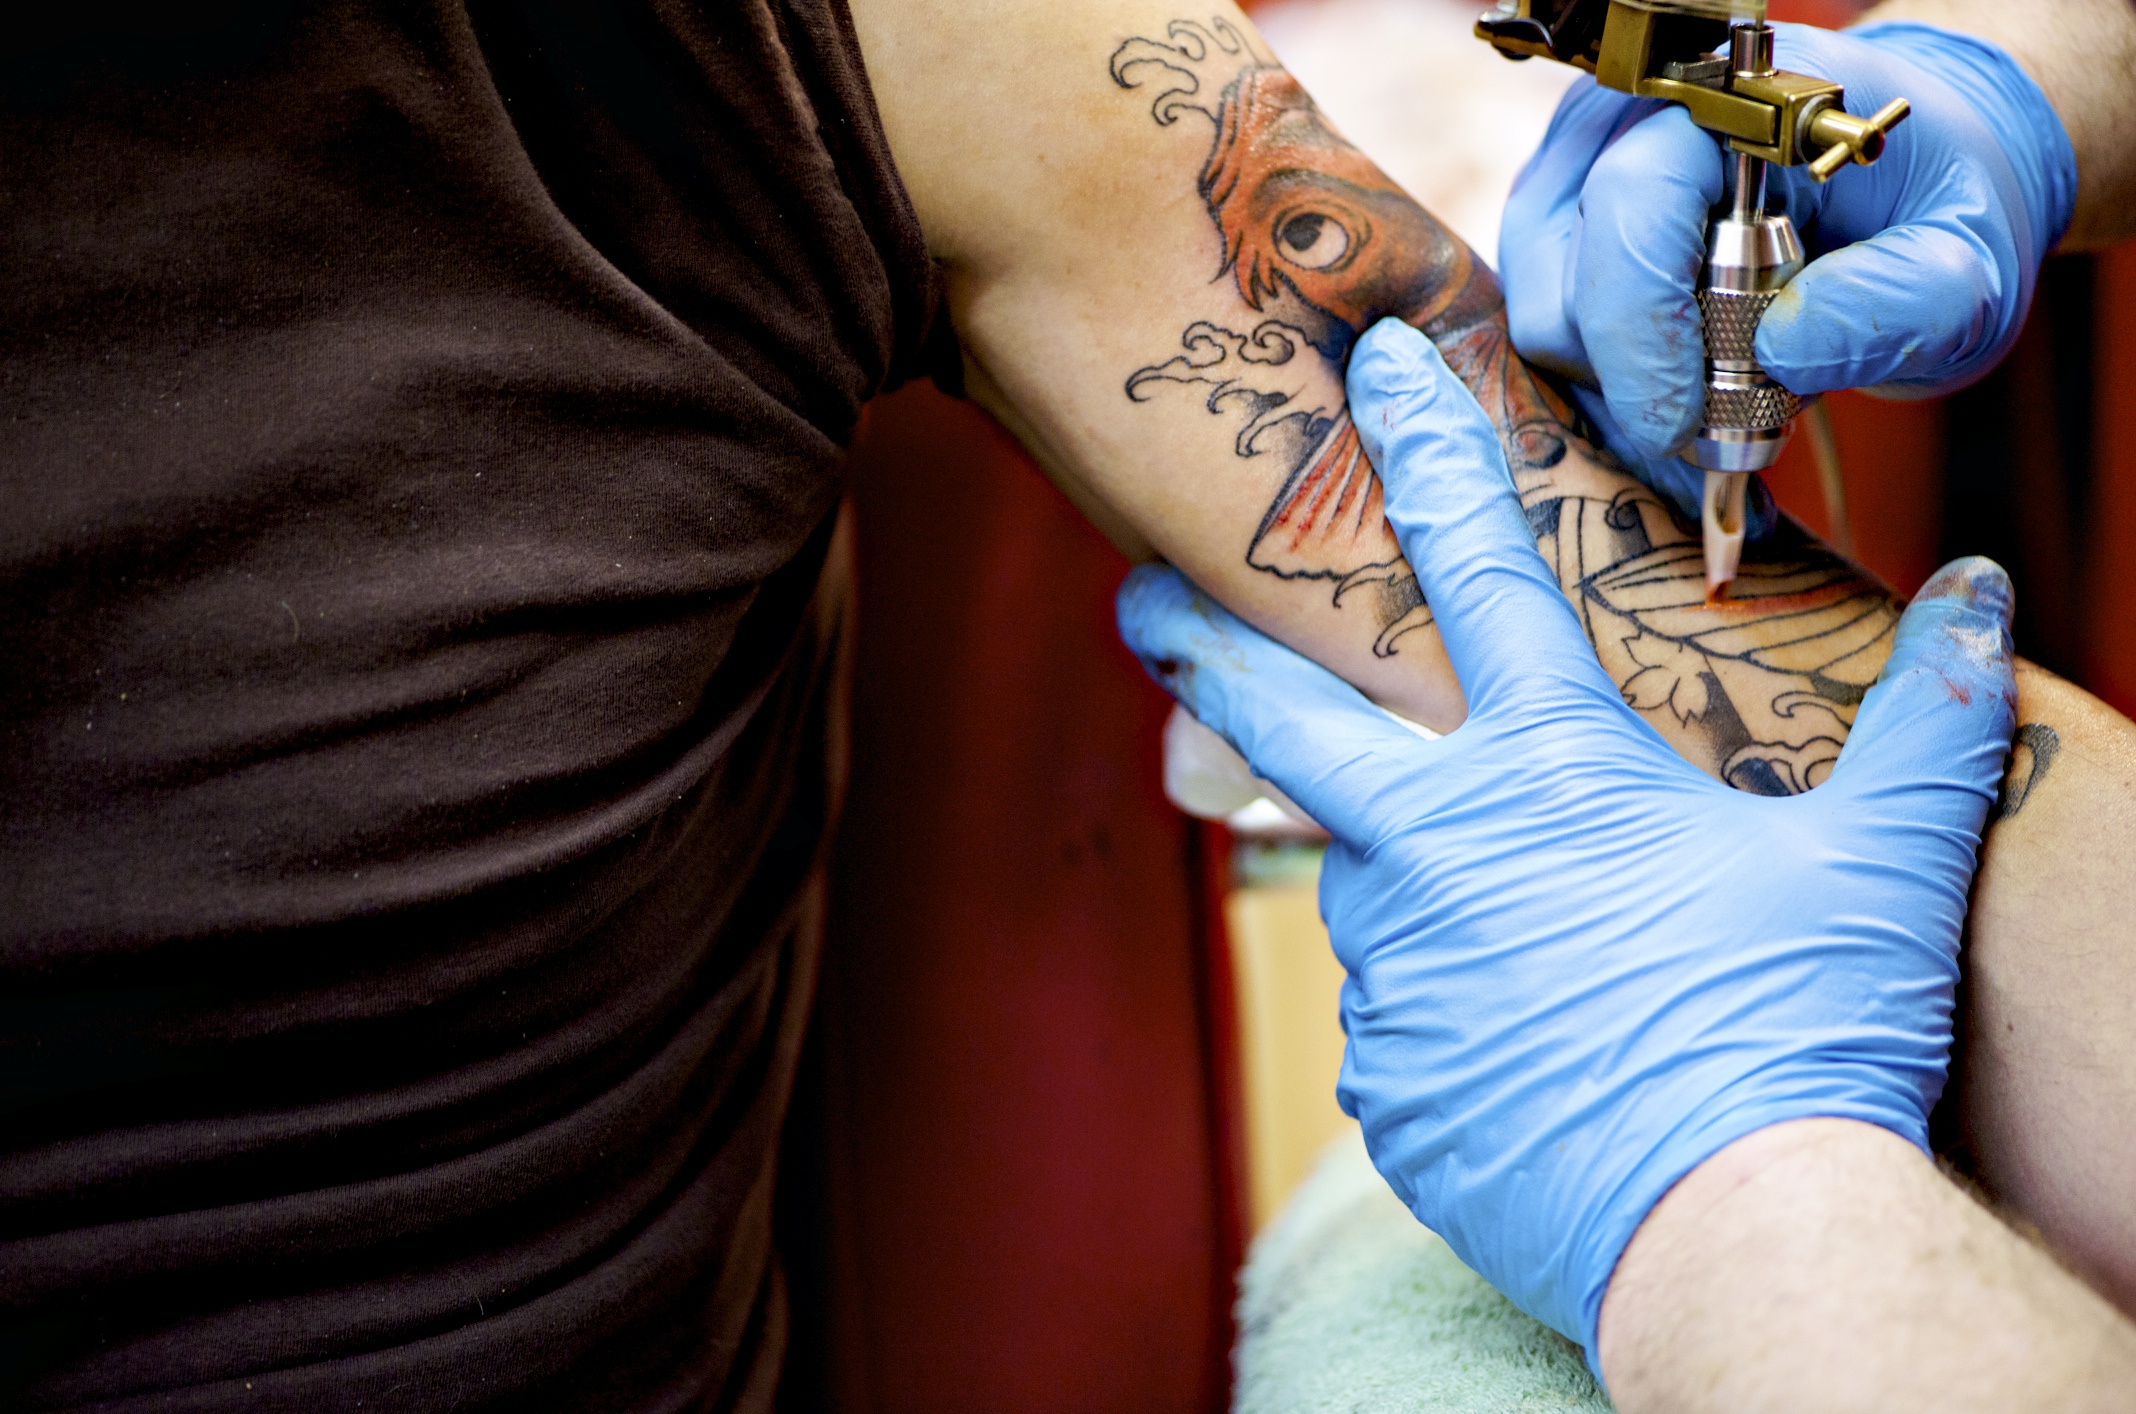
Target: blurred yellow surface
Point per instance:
(1290, 1037)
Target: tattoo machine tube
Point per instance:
(1721, 526)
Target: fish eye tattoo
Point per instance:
(1315, 244)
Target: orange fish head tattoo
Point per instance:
(1303, 213)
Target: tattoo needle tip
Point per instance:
(1721, 527)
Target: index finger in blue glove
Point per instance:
(1507, 627)
(1909, 303)
(1642, 241)
(1930, 738)
(1310, 733)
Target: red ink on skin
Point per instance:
(1328, 494)
(1770, 605)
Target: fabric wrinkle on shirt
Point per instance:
(421, 431)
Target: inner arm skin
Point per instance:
(1113, 189)
(2081, 54)
(1824, 1264)
(2040, 1111)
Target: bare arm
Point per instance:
(1826, 1265)
(1159, 253)
(2081, 53)
(2043, 1092)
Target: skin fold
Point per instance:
(1158, 254)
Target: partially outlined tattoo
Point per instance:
(2032, 754)
(1316, 244)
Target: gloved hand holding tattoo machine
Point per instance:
(1633, 230)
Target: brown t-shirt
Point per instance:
(420, 429)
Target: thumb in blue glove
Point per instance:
(1924, 263)
(1578, 966)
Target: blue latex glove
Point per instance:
(1922, 267)
(1577, 965)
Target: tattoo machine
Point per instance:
(1715, 57)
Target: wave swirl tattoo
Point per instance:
(1316, 244)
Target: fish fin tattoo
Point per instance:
(1315, 244)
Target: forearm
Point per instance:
(1103, 303)
(2044, 1087)
(2081, 53)
(1825, 1264)
(1159, 253)
(1111, 188)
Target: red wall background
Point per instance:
(1021, 1114)
(2108, 606)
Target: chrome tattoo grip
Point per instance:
(1750, 257)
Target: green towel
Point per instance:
(1348, 1304)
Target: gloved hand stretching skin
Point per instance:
(1922, 267)
(1578, 967)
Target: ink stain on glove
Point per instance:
(1982, 586)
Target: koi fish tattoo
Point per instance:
(1316, 244)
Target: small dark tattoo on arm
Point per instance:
(2032, 755)
(1314, 245)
